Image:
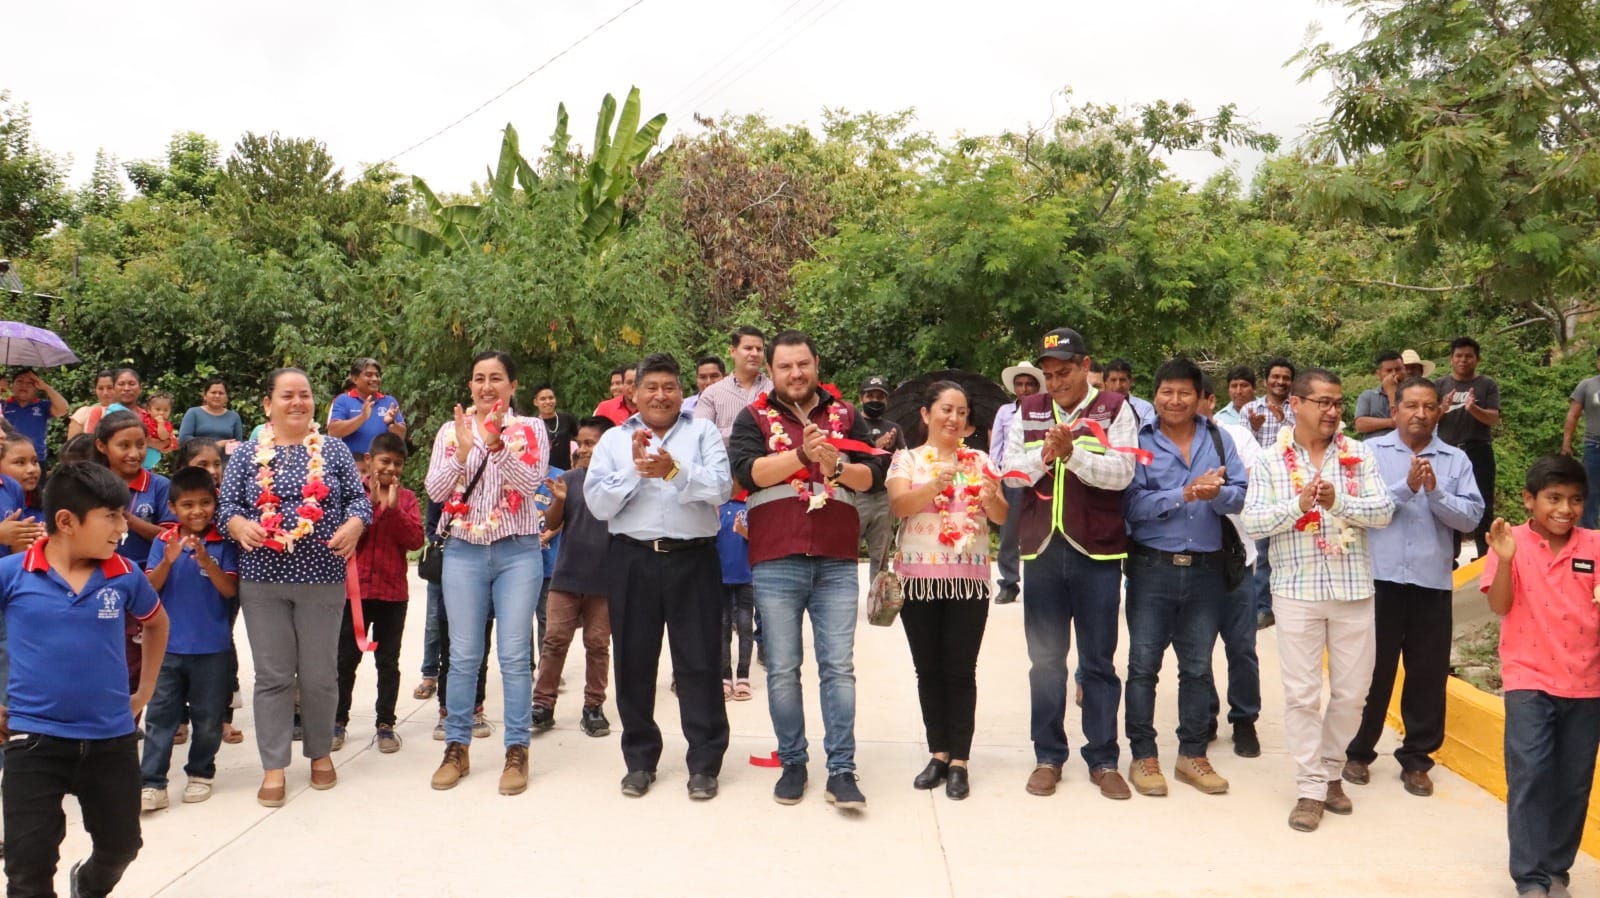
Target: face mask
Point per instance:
(874, 409)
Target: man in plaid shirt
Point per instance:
(1313, 495)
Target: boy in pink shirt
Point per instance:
(1540, 578)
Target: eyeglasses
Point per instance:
(1324, 403)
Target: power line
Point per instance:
(728, 82)
(689, 89)
(518, 83)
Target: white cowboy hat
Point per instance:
(1410, 357)
(1008, 377)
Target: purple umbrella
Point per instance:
(26, 346)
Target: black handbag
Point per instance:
(1234, 567)
(430, 566)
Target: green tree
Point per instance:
(191, 170)
(33, 193)
(1471, 124)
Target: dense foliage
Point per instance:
(1450, 189)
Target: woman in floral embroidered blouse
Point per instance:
(946, 495)
(295, 505)
(492, 562)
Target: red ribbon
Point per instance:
(768, 761)
(352, 591)
(1142, 456)
(854, 446)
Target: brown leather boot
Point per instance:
(514, 779)
(455, 765)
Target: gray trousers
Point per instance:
(294, 634)
(877, 528)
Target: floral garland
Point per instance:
(516, 438)
(780, 441)
(968, 484)
(1313, 521)
(309, 511)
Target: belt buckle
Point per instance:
(655, 545)
(1182, 559)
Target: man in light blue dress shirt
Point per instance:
(1435, 496)
(658, 480)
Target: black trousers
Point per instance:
(41, 771)
(1481, 455)
(738, 616)
(385, 622)
(1414, 623)
(681, 591)
(945, 635)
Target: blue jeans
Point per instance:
(1550, 755)
(430, 631)
(500, 579)
(1261, 580)
(787, 588)
(1065, 591)
(1238, 632)
(1180, 607)
(1010, 555)
(200, 683)
(1591, 466)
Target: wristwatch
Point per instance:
(838, 468)
(672, 473)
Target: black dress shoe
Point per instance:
(1006, 595)
(702, 786)
(637, 782)
(956, 786)
(932, 775)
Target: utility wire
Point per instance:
(692, 87)
(756, 63)
(518, 83)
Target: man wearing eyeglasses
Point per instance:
(1312, 496)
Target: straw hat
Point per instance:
(1410, 357)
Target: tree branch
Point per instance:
(1399, 286)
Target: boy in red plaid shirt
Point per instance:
(382, 570)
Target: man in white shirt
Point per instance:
(1021, 379)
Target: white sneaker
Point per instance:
(199, 789)
(152, 799)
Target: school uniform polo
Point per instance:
(201, 624)
(147, 501)
(32, 419)
(69, 676)
(348, 405)
(1550, 639)
(13, 498)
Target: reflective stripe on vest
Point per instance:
(786, 490)
(1086, 442)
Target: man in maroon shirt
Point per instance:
(804, 534)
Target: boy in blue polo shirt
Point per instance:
(196, 572)
(69, 727)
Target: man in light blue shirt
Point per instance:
(1435, 496)
(1177, 586)
(1021, 379)
(657, 480)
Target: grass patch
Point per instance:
(1475, 657)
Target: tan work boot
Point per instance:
(1198, 773)
(1337, 802)
(514, 779)
(1306, 816)
(1145, 774)
(1044, 778)
(455, 765)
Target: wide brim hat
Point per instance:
(1410, 357)
(1008, 377)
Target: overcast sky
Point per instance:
(371, 79)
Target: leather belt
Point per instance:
(1177, 559)
(666, 544)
